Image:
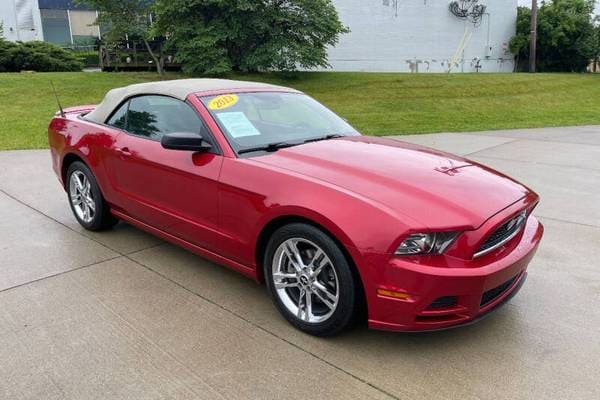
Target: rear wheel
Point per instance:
(310, 280)
(86, 200)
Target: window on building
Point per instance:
(55, 25)
(83, 27)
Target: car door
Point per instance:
(172, 190)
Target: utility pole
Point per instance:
(532, 46)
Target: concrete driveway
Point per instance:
(123, 315)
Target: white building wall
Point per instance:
(423, 36)
(21, 20)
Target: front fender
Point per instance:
(254, 194)
(300, 212)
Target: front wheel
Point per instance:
(310, 280)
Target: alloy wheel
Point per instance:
(80, 194)
(305, 280)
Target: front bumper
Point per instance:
(470, 291)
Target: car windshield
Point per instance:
(266, 121)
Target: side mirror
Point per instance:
(185, 141)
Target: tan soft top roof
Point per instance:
(179, 88)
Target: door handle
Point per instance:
(124, 151)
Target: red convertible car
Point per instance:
(269, 182)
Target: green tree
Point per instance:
(130, 18)
(216, 36)
(567, 37)
(596, 43)
(519, 44)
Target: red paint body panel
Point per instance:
(369, 193)
(157, 187)
(429, 188)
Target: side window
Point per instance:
(119, 117)
(153, 116)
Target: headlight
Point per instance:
(426, 243)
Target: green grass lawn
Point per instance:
(376, 104)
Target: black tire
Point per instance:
(348, 293)
(102, 218)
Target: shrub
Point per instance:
(36, 56)
(88, 58)
(6, 49)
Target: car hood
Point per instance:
(435, 189)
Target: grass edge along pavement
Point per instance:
(375, 103)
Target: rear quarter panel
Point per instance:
(71, 135)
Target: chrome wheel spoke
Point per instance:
(73, 190)
(328, 303)
(281, 280)
(86, 188)
(76, 200)
(318, 270)
(308, 310)
(318, 255)
(91, 204)
(283, 285)
(279, 276)
(301, 303)
(78, 181)
(293, 254)
(332, 297)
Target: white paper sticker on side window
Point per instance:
(237, 124)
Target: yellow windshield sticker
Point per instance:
(222, 102)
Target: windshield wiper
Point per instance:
(268, 147)
(280, 145)
(326, 137)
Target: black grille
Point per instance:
(444, 302)
(502, 234)
(492, 294)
